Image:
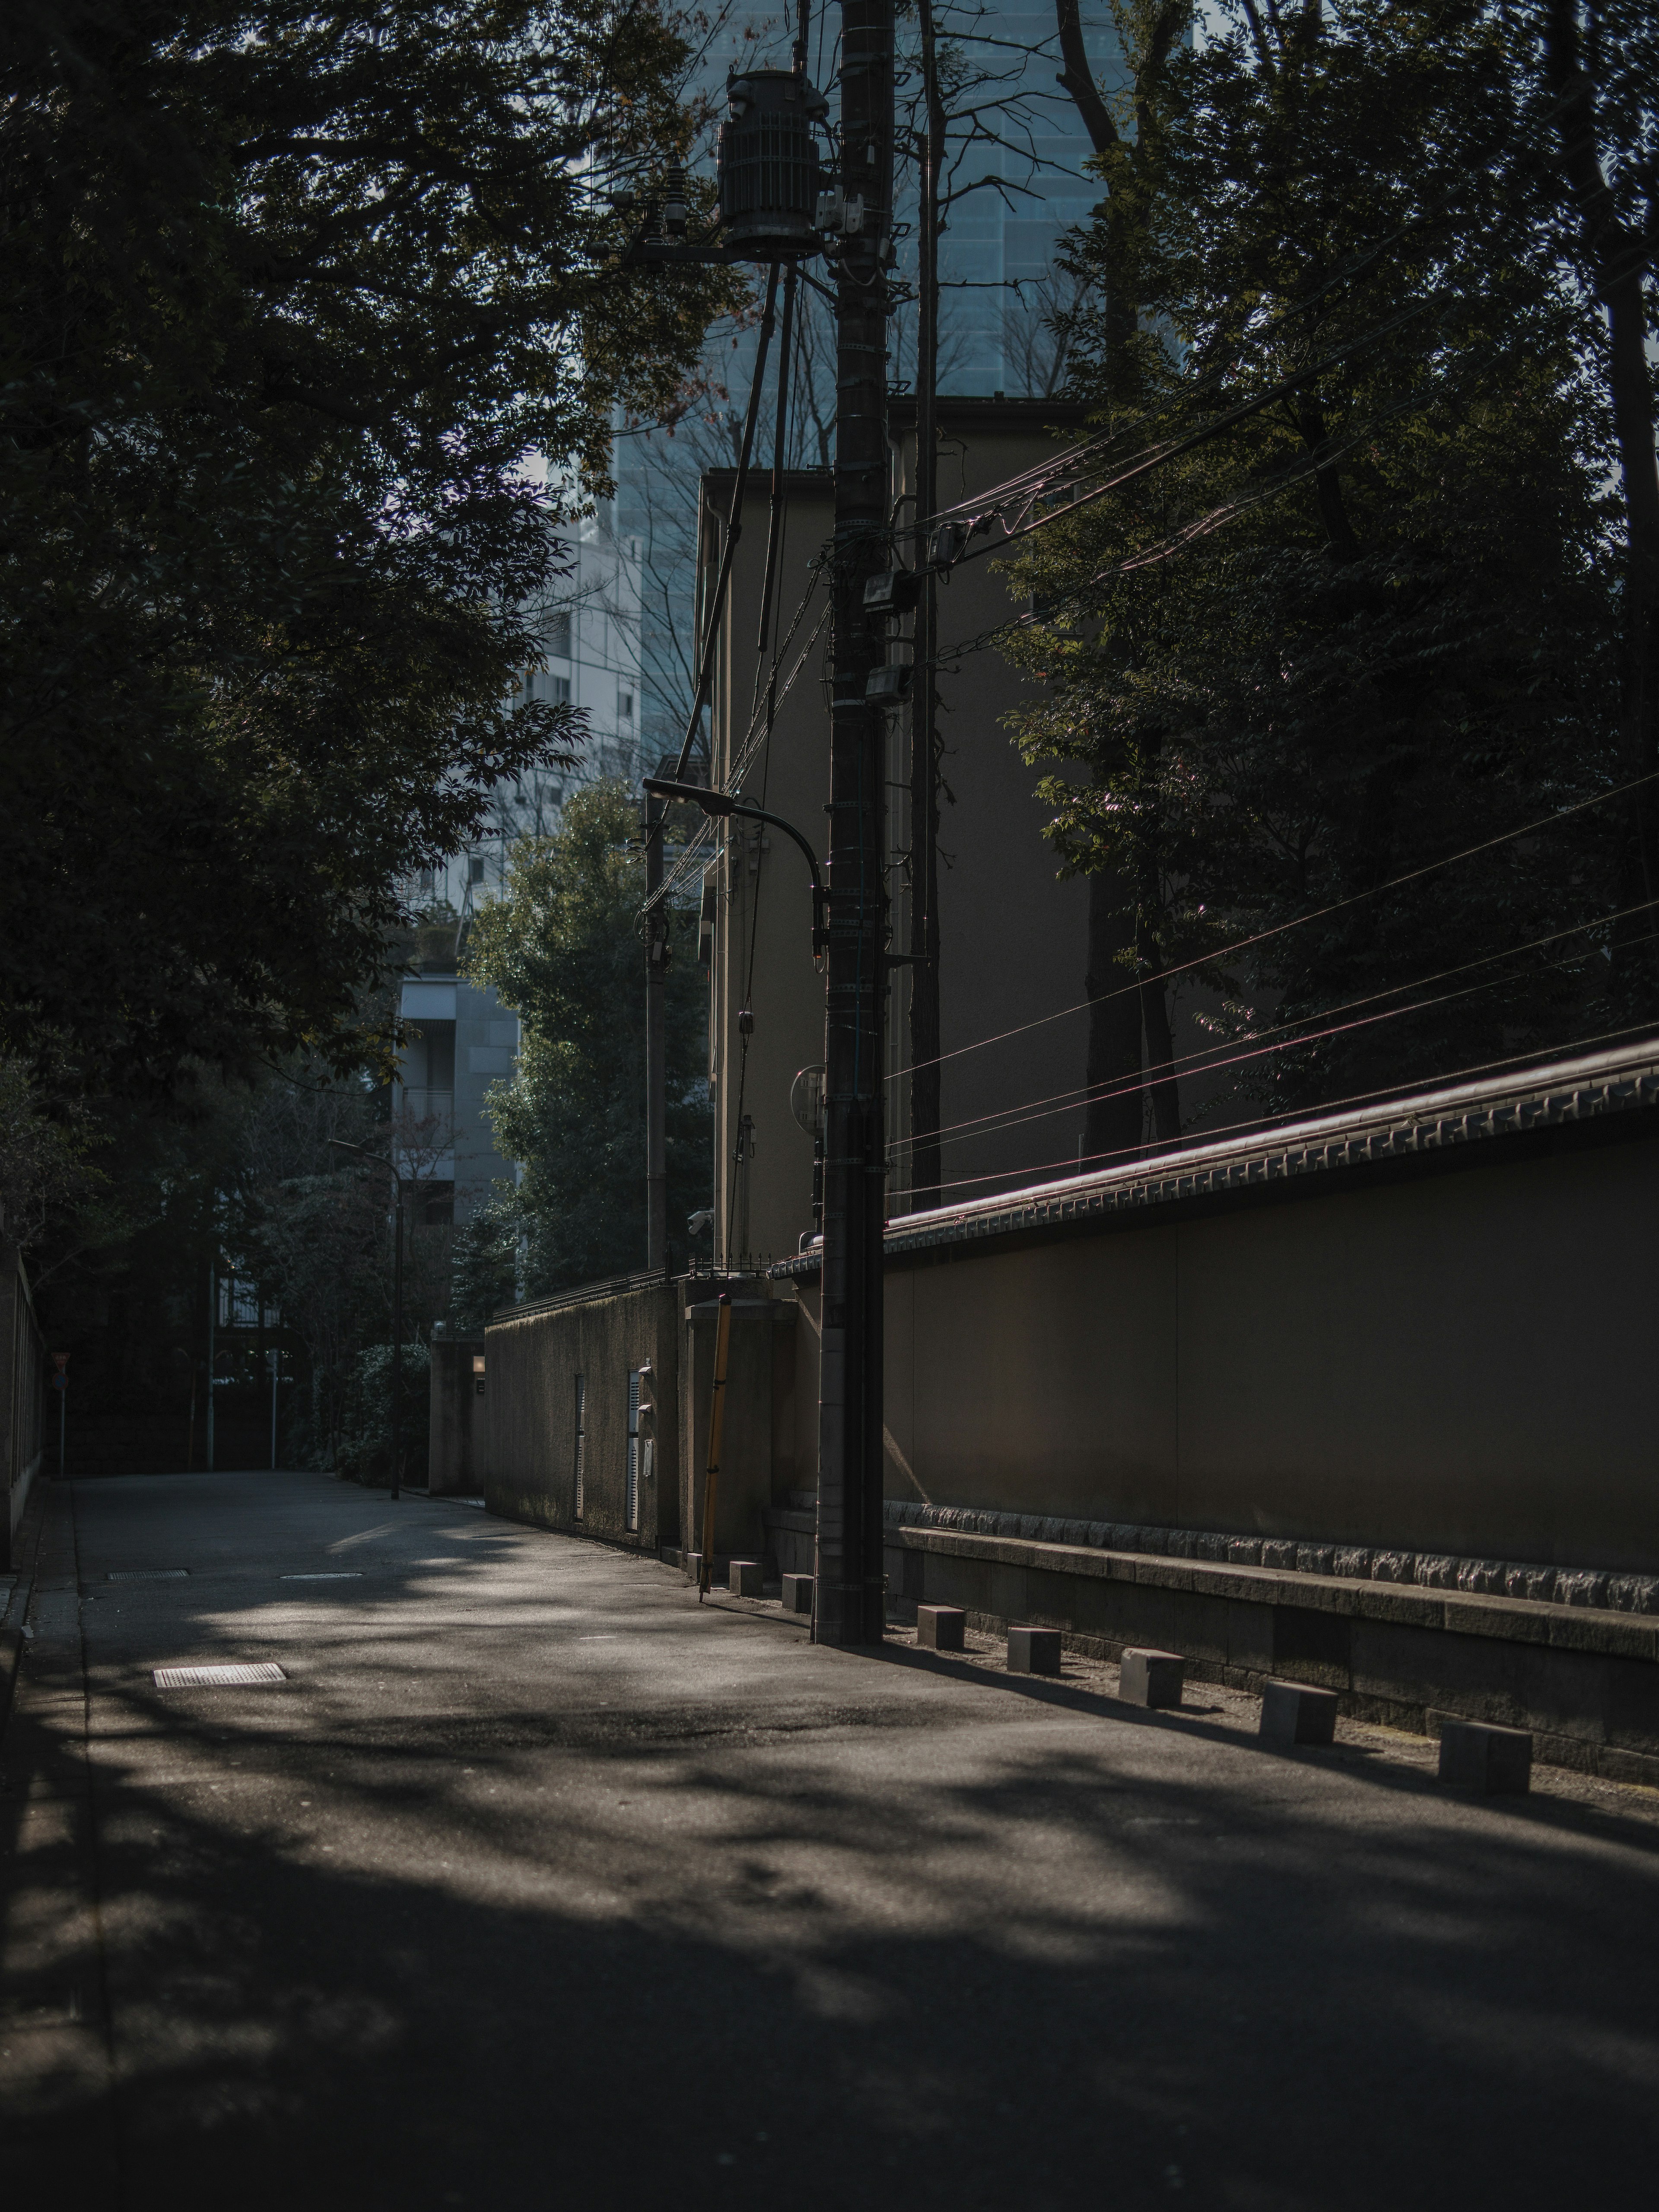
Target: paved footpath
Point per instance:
(535, 1884)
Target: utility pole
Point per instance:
(849, 1588)
(656, 1045)
(924, 947)
(213, 1317)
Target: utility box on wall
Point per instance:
(756, 1466)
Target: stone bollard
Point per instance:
(1151, 1677)
(745, 1577)
(942, 1628)
(1293, 1713)
(798, 1593)
(1497, 1761)
(1034, 1652)
(692, 1563)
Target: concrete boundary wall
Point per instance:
(1447, 1352)
(533, 1360)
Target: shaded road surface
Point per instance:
(536, 1885)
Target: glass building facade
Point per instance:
(1015, 179)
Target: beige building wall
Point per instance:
(1013, 936)
(755, 879)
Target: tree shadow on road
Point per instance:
(839, 1932)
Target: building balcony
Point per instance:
(416, 1104)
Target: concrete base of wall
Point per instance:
(539, 1510)
(1585, 1683)
(792, 1534)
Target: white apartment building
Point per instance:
(462, 1038)
(590, 659)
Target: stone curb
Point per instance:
(1579, 1754)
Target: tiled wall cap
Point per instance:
(1394, 1567)
(1485, 1577)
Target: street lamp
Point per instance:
(719, 804)
(340, 1145)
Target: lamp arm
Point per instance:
(820, 933)
(363, 1152)
(718, 805)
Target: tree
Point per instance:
(46, 1149)
(563, 950)
(1600, 70)
(314, 1226)
(1366, 623)
(294, 302)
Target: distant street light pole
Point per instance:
(340, 1145)
(275, 1358)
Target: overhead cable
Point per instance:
(1041, 475)
(1209, 1060)
(1319, 913)
(733, 529)
(1263, 1122)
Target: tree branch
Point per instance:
(1078, 79)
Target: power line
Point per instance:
(1319, 913)
(1034, 481)
(774, 547)
(733, 526)
(1203, 1061)
(705, 833)
(1373, 1097)
(1171, 449)
(1308, 465)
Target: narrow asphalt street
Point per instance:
(534, 1883)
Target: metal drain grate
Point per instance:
(329, 1575)
(150, 1574)
(219, 1678)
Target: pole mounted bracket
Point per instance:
(659, 252)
